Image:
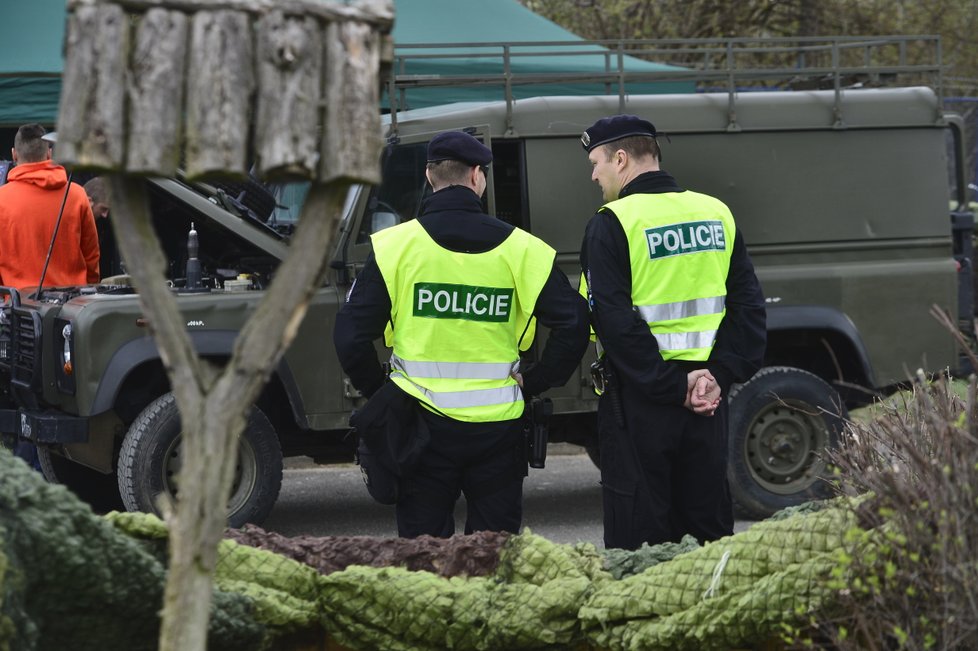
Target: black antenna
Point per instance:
(54, 236)
(193, 271)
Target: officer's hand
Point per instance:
(709, 397)
(703, 393)
(518, 377)
(694, 386)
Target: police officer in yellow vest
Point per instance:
(680, 316)
(456, 290)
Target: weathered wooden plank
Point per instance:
(379, 13)
(91, 109)
(289, 63)
(351, 129)
(220, 82)
(158, 70)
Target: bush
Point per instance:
(909, 576)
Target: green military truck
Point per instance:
(842, 195)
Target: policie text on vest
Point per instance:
(690, 237)
(449, 301)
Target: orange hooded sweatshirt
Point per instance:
(29, 205)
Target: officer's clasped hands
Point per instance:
(703, 393)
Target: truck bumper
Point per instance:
(44, 427)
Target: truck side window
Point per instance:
(509, 182)
(398, 197)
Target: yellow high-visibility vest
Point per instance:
(679, 247)
(458, 318)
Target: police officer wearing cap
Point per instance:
(457, 291)
(679, 315)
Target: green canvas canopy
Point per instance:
(32, 35)
(472, 38)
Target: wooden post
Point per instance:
(91, 122)
(308, 101)
(220, 82)
(289, 61)
(352, 138)
(156, 93)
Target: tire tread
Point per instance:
(134, 475)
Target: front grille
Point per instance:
(25, 354)
(6, 349)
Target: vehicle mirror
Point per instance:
(382, 220)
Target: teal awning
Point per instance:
(32, 35)
(490, 24)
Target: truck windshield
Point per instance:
(289, 199)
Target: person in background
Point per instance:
(458, 289)
(680, 315)
(30, 203)
(110, 262)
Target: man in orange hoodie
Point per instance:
(29, 205)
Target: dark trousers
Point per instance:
(664, 473)
(484, 461)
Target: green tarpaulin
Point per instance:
(491, 24)
(32, 35)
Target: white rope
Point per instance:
(717, 573)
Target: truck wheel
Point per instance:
(98, 490)
(150, 458)
(781, 421)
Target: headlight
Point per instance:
(63, 354)
(5, 347)
(66, 351)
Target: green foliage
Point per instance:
(7, 578)
(956, 21)
(909, 573)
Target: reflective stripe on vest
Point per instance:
(679, 246)
(682, 309)
(455, 370)
(447, 400)
(685, 340)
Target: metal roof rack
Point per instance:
(731, 65)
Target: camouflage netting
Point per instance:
(530, 602)
(732, 593)
(69, 580)
(622, 562)
(66, 574)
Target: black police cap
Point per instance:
(460, 146)
(615, 128)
